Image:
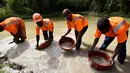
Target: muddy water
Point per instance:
(100, 60)
(67, 45)
(53, 59)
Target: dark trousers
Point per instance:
(122, 52)
(19, 36)
(80, 38)
(47, 34)
(21, 33)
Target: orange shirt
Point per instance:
(78, 22)
(47, 25)
(119, 26)
(11, 24)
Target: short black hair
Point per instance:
(66, 11)
(103, 23)
(1, 28)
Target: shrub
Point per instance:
(5, 12)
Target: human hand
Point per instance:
(111, 60)
(90, 50)
(62, 36)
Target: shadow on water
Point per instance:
(53, 63)
(17, 50)
(54, 52)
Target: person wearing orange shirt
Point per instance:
(113, 27)
(46, 25)
(78, 23)
(16, 27)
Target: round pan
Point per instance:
(100, 54)
(66, 39)
(43, 45)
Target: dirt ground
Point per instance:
(55, 60)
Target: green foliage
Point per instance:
(112, 5)
(5, 12)
(2, 2)
(40, 6)
(94, 6)
(25, 8)
(20, 6)
(72, 4)
(124, 6)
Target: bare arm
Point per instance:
(94, 43)
(67, 32)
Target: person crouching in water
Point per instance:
(16, 27)
(113, 27)
(78, 23)
(46, 25)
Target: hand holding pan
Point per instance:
(100, 60)
(44, 45)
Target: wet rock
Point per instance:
(16, 66)
(3, 58)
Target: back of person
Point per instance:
(48, 25)
(11, 24)
(16, 27)
(78, 22)
(113, 27)
(119, 24)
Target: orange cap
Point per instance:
(37, 17)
